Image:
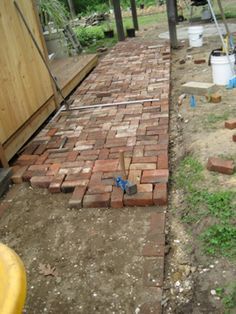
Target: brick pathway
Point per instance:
(92, 138)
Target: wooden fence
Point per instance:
(26, 90)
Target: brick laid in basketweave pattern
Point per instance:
(89, 160)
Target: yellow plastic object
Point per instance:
(12, 282)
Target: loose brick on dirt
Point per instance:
(220, 165)
(230, 124)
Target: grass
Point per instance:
(91, 38)
(220, 239)
(189, 172)
(214, 118)
(217, 239)
(228, 297)
(146, 20)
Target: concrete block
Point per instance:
(199, 88)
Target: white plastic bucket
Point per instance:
(221, 69)
(195, 34)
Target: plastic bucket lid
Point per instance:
(222, 59)
(195, 29)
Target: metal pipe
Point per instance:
(130, 102)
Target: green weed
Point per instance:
(89, 35)
(220, 204)
(214, 118)
(228, 297)
(220, 239)
(229, 300)
(189, 173)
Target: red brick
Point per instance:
(53, 169)
(160, 195)
(58, 155)
(90, 152)
(106, 165)
(152, 153)
(162, 161)
(157, 222)
(72, 156)
(38, 168)
(96, 178)
(199, 61)
(153, 248)
(41, 159)
(139, 199)
(143, 166)
(155, 176)
(26, 160)
(115, 142)
(97, 200)
(78, 176)
(69, 186)
(29, 150)
(156, 147)
(41, 181)
(52, 132)
(73, 164)
(17, 177)
(40, 150)
(88, 157)
(220, 165)
(153, 272)
(144, 188)
(117, 197)
(29, 174)
(163, 139)
(144, 159)
(97, 189)
(77, 197)
(121, 149)
(55, 185)
(111, 175)
(230, 124)
(134, 176)
(234, 137)
(103, 154)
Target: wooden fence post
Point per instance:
(3, 159)
(171, 12)
(134, 14)
(118, 18)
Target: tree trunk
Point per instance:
(72, 8)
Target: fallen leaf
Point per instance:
(47, 270)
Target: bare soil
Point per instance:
(190, 274)
(97, 253)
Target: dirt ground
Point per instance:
(97, 253)
(90, 247)
(190, 274)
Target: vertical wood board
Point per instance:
(25, 83)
